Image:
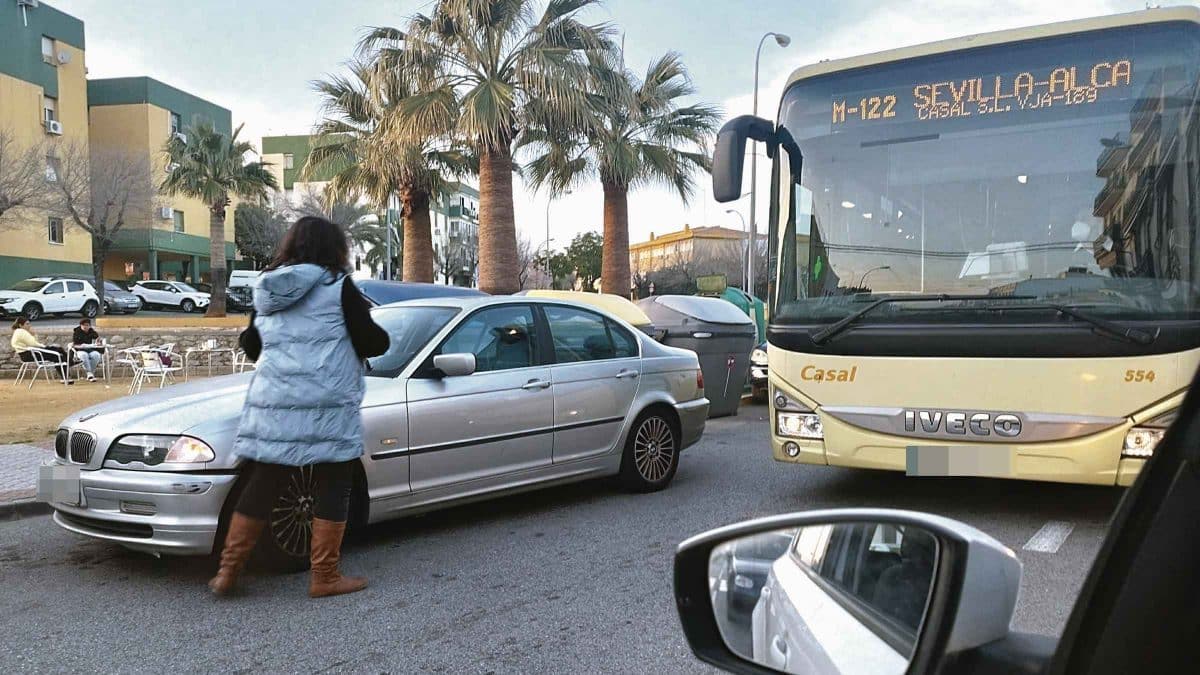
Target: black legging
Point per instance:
(59, 356)
(331, 489)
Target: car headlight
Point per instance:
(153, 450)
(799, 425)
(1141, 440)
(5, 301)
(758, 357)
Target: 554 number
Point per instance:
(1139, 376)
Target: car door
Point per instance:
(54, 298)
(493, 422)
(595, 373)
(150, 292)
(76, 296)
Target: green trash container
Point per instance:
(753, 307)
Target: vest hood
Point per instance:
(281, 288)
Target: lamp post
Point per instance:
(550, 201)
(549, 280)
(783, 41)
(743, 262)
(863, 279)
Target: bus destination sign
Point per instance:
(987, 94)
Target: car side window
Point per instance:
(501, 338)
(624, 343)
(56, 287)
(74, 286)
(578, 335)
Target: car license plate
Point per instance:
(958, 460)
(58, 484)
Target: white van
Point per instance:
(243, 278)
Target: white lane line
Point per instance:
(1050, 537)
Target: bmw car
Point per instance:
(581, 393)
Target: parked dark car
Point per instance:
(237, 298)
(382, 292)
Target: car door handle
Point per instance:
(626, 373)
(535, 384)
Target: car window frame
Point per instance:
(48, 289)
(428, 371)
(605, 321)
(81, 289)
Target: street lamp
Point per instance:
(863, 279)
(743, 263)
(550, 201)
(783, 41)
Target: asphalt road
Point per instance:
(570, 579)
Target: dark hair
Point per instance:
(85, 320)
(317, 241)
(21, 321)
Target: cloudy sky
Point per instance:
(257, 59)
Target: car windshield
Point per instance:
(409, 329)
(112, 287)
(186, 288)
(28, 286)
(1064, 176)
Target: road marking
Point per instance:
(1050, 537)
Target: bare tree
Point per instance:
(526, 261)
(101, 191)
(459, 257)
(24, 174)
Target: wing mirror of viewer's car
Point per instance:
(455, 365)
(853, 590)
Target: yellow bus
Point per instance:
(984, 250)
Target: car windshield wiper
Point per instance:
(822, 336)
(1135, 335)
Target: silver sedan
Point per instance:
(476, 397)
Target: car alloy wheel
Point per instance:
(188, 306)
(32, 311)
(90, 309)
(291, 518)
(654, 449)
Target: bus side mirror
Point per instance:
(730, 153)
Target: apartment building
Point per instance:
(140, 114)
(43, 104)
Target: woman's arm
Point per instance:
(366, 335)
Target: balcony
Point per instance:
(1110, 195)
(166, 240)
(1110, 160)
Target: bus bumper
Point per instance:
(1092, 460)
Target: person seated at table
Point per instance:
(23, 341)
(86, 335)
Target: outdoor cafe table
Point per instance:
(95, 347)
(209, 352)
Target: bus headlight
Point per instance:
(1140, 442)
(799, 425)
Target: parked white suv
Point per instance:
(49, 295)
(170, 294)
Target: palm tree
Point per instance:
(639, 135)
(363, 146)
(212, 167)
(485, 68)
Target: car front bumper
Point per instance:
(155, 512)
(758, 375)
(692, 417)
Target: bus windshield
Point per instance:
(1061, 170)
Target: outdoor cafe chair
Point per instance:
(153, 367)
(44, 360)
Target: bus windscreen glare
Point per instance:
(1060, 171)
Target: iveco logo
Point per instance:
(962, 423)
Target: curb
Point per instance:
(23, 508)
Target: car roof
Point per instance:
(471, 302)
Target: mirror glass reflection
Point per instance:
(836, 598)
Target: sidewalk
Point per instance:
(18, 475)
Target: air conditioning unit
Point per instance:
(54, 127)
(64, 58)
(181, 136)
(166, 212)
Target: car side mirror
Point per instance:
(660, 335)
(455, 365)
(844, 590)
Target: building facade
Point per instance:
(140, 114)
(692, 251)
(43, 105)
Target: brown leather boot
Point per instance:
(239, 542)
(326, 551)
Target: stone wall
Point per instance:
(122, 338)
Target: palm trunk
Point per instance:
(614, 268)
(497, 229)
(216, 261)
(418, 236)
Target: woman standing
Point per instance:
(310, 331)
(24, 341)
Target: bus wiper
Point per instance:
(822, 336)
(1135, 335)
